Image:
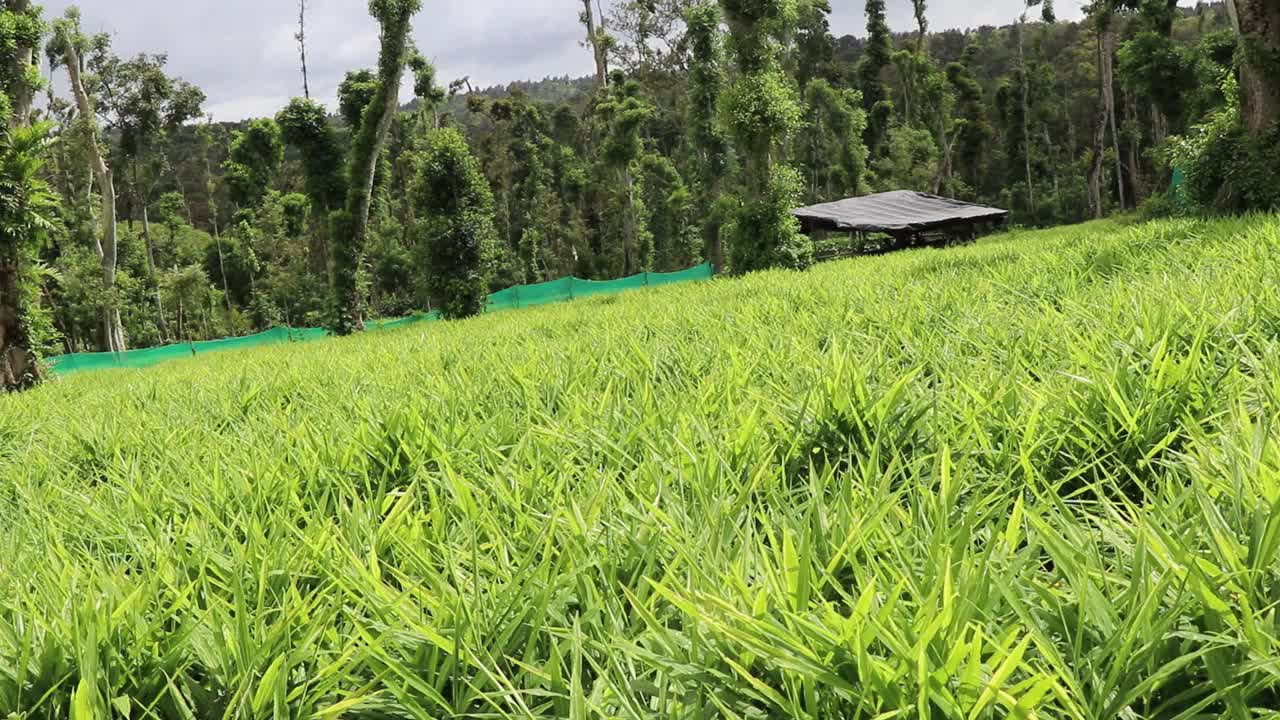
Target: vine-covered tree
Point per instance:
(22, 27)
(762, 112)
(256, 154)
(831, 150)
(351, 225)
(815, 48)
(454, 198)
(706, 136)
(624, 113)
(27, 204)
(305, 126)
(67, 48)
(598, 39)
(875, 93)
(697, 145)
(973, 131)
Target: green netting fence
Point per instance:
(521, 296)
(1178, 183)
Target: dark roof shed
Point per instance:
(896, 213)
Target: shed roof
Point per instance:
(895, 212)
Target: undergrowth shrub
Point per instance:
(1227, 167)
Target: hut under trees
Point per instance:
(895, 220)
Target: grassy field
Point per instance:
(1036, 477)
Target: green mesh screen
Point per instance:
(510, 299)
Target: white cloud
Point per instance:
(282, 48)
(248, 106)
(358, 48)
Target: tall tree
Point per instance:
(256, 154)
(301, 37)
(875, 92)
(1102, 14)
(762, 112)
(205, 140)
(973, 132)
(26, 203)
(815, 48)
(141, 106)
(1024, 113)
(305, 126)
(920, 8)
(671, 219)
(23, 26)
(1258, 24)
(351, 227)
(67, 48)
(453, 196)
(598, 39)
(831, 148)
(707, 78)
(624, 113)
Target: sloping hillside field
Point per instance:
(1035, 477)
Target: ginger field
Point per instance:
(1037, 477)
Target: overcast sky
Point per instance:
(242, 52)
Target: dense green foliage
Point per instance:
(378, 97)
(305, 126)
(1036, 476)
(762, 112)
(27, 211)
(27, 206)
(717, 119)
(458, 227)
(1226, 166)
(256, 154)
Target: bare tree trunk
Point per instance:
(217, 234)
(815, 158)
(948, 147)
(1107, 71)
(302, 46)
(1159, 126)
(152, 277)
(161, 325)
(18, 368)
(628, 223)
(20, 92)
(1026, 113)
(596, 40)
(186, 204)
(1053, 165)
(1135, 138)
(106, 246)
(1257, 22)
(1099, 150)
(907, 91)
